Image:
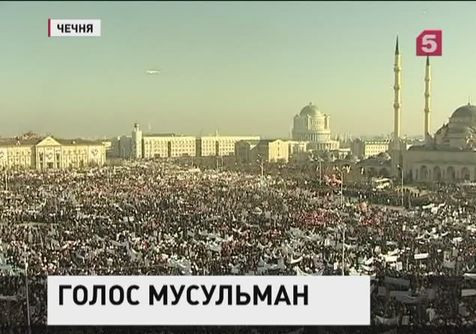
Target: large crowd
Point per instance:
(158, 219)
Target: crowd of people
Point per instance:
(152, 218)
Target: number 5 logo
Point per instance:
(429, 43)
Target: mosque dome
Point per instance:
(460, 132)
(467, 111)
(462, 118)
(310, 110)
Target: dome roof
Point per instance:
(466, 111)
(310, 110)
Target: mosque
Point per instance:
(448, 155)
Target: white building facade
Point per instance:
(219, 145)
(168, 146)
(150, 146)
(50, 153)
(364, 149)
(268, 150)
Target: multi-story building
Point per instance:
(219, 145)
(136, 150)
(297, 147)
(267, 150)
(170, 145)
(364, 149)
(167, 146)
(244, 150)
(121, 147)
(43, 153)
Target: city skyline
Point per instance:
(239, 68)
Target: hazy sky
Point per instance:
(239, 67)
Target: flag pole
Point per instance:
(27, 296)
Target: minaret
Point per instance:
(397, 101)
(427, 98)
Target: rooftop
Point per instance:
(161, 135)
(34, 140)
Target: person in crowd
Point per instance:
(153, 218)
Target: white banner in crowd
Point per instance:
(421, 256)
(468, 292)
(208, 300)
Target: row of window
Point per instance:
(15, 152)
(146, 142)
(191, 145)
(228, 142)
(157, 146)
(19, 161)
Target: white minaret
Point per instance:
(397, 101)
(427, 98)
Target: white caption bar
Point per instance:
(208, 300)
(74, 28)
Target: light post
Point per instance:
(260, 159)
(343, 250)
(27, 295)
(402, 189)
(319, 160)
(342, 189)
(400, 168)
(341, 171)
